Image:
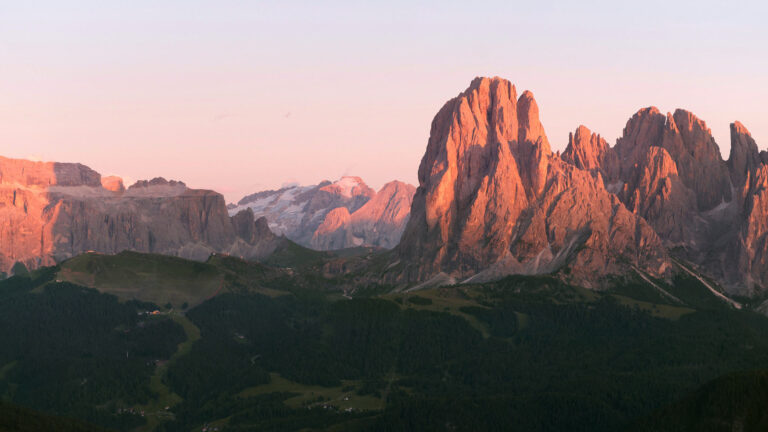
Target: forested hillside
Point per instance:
(531, 352)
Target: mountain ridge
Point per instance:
(493, 199)
(53, 211)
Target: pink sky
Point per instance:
(243, 96)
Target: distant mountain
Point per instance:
(493, 199)
(335, 215)
(53, 211)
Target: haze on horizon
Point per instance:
(242, 96)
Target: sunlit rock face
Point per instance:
(745, 261)
(53, 211)
(113, 184)
(493, 199)
(588, 151)
(708, 210)
(668, 169)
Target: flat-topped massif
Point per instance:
(53, 211)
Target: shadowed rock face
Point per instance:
(493, 199)
(53, 211)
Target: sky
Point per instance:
(242, 96)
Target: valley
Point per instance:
(278, 354)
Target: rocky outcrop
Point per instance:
(688, 142)
(744, 262)
(588, 151)
(255, 240)
(493, 199)
(53, 211)
(654, 190)
(673, 175)
(335, 215)
(113, 183)
(745, 158)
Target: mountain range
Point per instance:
(54, 211)
(493, 199)
(604, 288)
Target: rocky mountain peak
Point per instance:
(531, 129)
(744, 157)
(589, 151)
(348, 187)
(690, 145)
(113, 184)
(492, 195)
(395, 187)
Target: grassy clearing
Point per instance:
(443, 299)
(290, 254)
(146, 277)
(655, 309)
(341, 397)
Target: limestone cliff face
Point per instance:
(745, 159)
(493, 196)
(670, 173)
(751, 245)
(673, 175)
(745, 260)
(654, 190)
(53, 211)
(689, 144)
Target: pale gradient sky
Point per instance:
(240, 96)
